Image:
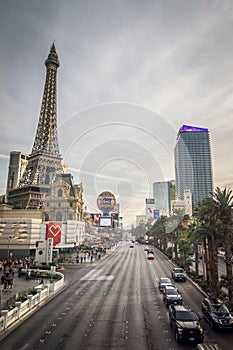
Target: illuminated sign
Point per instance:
(105, 221)
(193, 128)
(150, 201)
(106, 202)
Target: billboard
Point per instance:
(150, 201)
(150, 206)
(156, 214)
(95, 218)
(53, 230)
(106, 202)
(105, 221)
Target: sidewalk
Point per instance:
(21, 285)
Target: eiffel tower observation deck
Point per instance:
(44, 162)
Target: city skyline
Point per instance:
(130, 75)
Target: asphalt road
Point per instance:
(112, 304)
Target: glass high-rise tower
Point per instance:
(164, 193)
(193, 168)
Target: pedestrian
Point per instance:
(28, 274)
(19, 271)
(11, 271)
(7, 282)
(10, 283)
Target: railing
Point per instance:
(8, 317)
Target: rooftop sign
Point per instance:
(192, 128)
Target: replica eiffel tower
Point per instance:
(44, 162)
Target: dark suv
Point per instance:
(216, 313)
(185, 324)
(178, 274)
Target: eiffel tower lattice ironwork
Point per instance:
(44, 162)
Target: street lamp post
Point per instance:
(9, 243)
(8, 249)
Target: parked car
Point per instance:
(186, 324)
(164, 281)
(172, 295)
(178, 274)
(193, 258)
(216, 313)
(231, 259)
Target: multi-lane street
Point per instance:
(112, 304)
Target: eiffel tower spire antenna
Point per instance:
(46, 140)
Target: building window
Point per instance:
(47, 179)
(70, 216)
(60, 193)
(59, 216)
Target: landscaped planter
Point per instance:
(20, 308)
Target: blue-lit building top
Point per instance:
(193, 167)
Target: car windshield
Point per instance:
(172, 291)
(186, 316)
(219, 308)
(165, 280)
(179, 270)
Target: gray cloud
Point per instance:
(162, 62)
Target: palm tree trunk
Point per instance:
(206, 252)
(196, 258)
(227, 247)
(175, 250)
(214, 264)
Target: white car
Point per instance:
(164, 281)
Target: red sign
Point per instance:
(95, 218)
(53, 230)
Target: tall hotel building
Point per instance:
(164, 193)
(17, 165)
(193, 169)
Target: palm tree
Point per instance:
(206, 213)
(224, 204)
(160, 234)
(173, 229)
(195, 239)
(184, 247)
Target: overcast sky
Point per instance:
(132, 72)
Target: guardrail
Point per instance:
(8, 317)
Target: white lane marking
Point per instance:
(98, 278)
(25, 346)
(95, 275)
